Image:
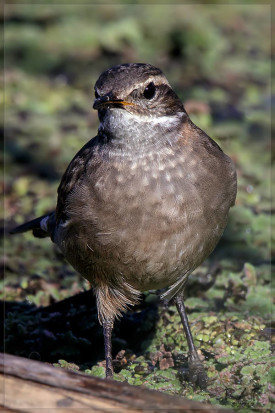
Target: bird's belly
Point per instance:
(148, 243)
(163, 261)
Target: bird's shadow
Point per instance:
(69, 329)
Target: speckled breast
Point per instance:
(147, 220)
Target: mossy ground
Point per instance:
(218, 60)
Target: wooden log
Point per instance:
(29, 386)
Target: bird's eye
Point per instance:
(96, 94)
(149, 91)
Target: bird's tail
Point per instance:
(41, 227)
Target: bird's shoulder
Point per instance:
(204, 148)
(206, 161)
(74, 173)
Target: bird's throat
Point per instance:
(139, 132)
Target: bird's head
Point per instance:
(136, 99)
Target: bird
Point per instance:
(143, 203)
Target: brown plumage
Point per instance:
(144, 202)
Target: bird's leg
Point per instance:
(197, 374)
(107, 331)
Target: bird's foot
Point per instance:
(109, 370)
(197, 374)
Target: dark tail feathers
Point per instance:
(41, 227)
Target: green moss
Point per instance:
(64, 364)
(97, 371)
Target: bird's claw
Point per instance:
(197, 374)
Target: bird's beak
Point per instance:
(104, 101)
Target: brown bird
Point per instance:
(143, 203)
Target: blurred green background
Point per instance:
(217, 58)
